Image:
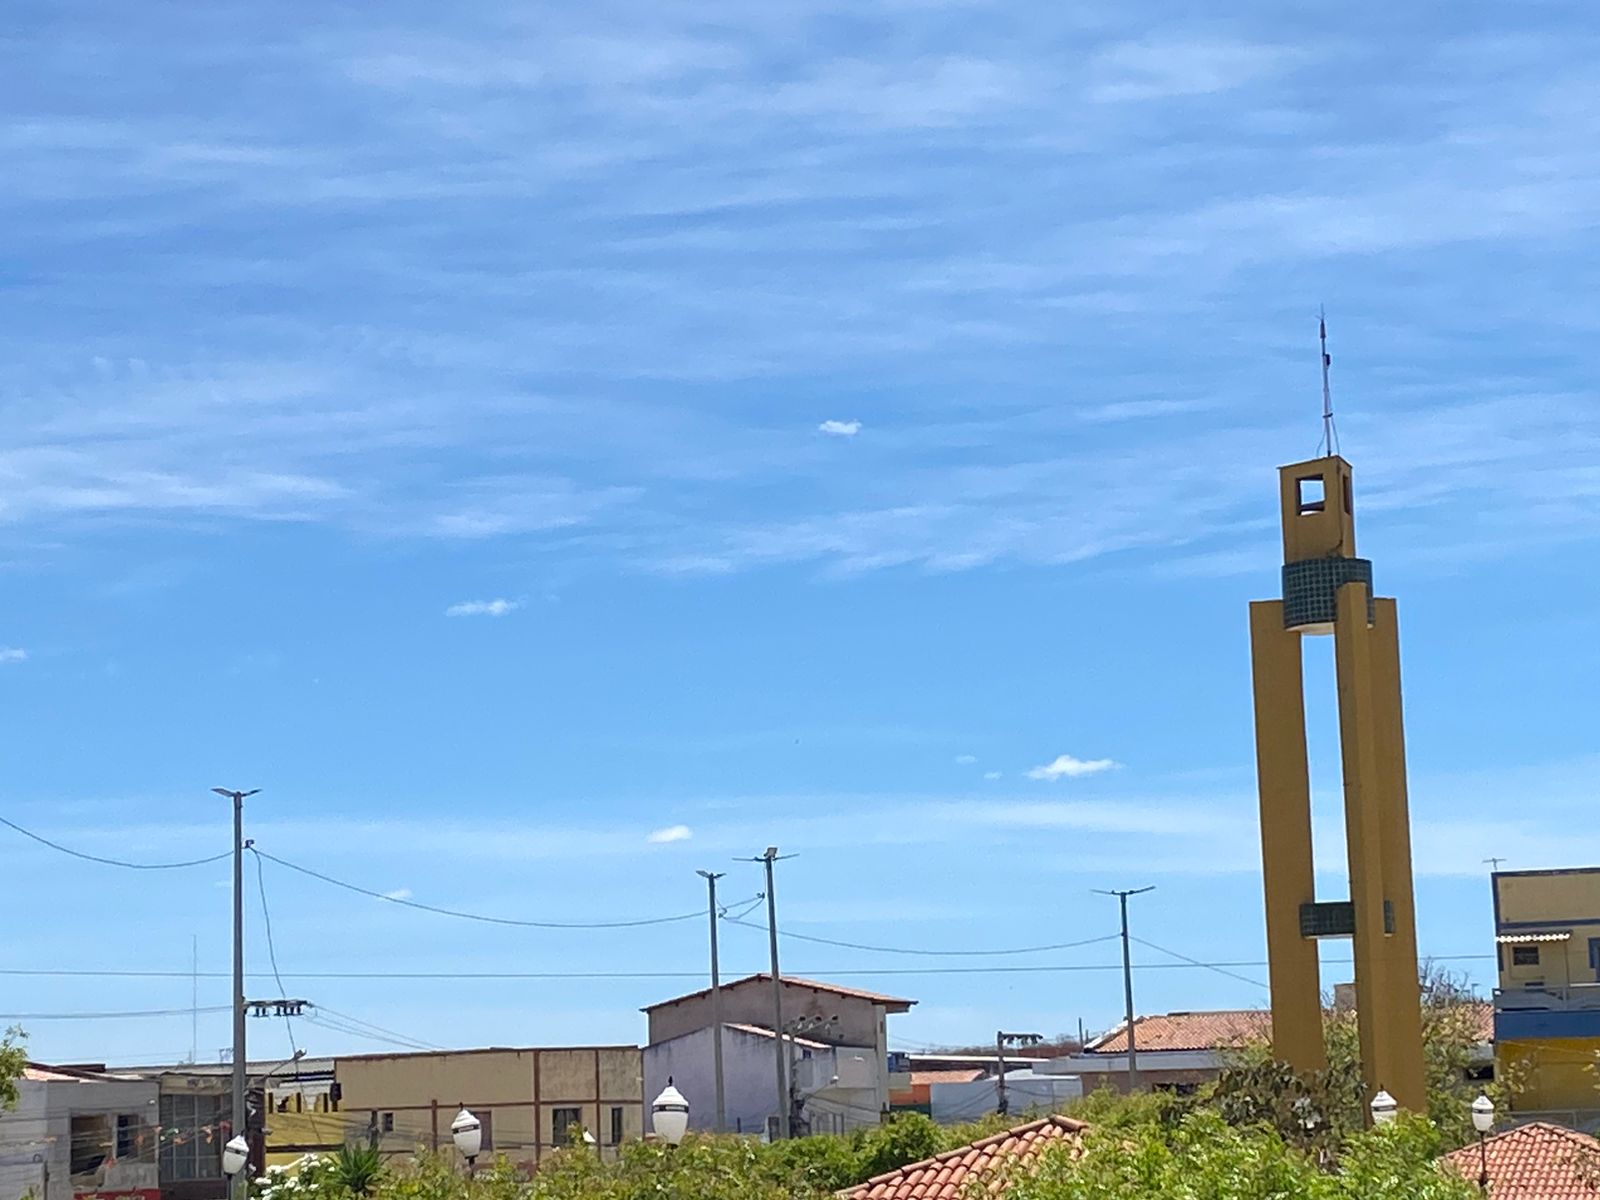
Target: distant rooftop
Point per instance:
(894, 1004)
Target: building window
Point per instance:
(563, 1123)
(388, 1122)
(616, 1127)
(1524, 956)
(91, 1143)
(134, 1143)
(1311, 494)
(193, 1128)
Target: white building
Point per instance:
(77, 1134)
(836, 1038)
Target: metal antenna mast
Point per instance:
(1330, 435)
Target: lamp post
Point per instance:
(1483, 1122)
(1385, 1108)
(467, 1133)
(241, 1121)
(235, 1154)
(669, 1115)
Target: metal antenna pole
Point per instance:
(716, 1001)
(1127, 981)
(238, 1117)
(1330, 435)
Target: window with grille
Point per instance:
(91, 1143)
(193, 1128)
(1524, 956)
(563, 1123)
(616, 1127)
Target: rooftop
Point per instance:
(1537, 1161)
(762, 1031)
(948, 1176)
(1226, 1029)
(894, 1004)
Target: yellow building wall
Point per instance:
(1555, 1073)
(516, 1090)
(1557, 901)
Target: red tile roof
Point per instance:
(948, 1176)
(894, 1004)
(1226, 1029)
(950, 1075)
(1535, 1162)
(1188, 1031)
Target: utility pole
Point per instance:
(772, 856)
(716, 1000)
(1001, 1037)
(238, 1117)
(1127, 980)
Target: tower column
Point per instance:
(1363, 811)
(1286, 851)
(1401, 1007)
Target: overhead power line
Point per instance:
(471, 916)
(805, 972)
(1197, 963)
(272, 951)
(112, 862)
(806, 937)
(111, 1016)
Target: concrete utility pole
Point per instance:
(238, 1118)
(1127, 979)
(1002, 1102)
(772, 856)
(716, 1000)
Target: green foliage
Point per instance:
(1202, 1157)
(1105, 1108)
(1257, 1090)
(357, 1169)
(13, 1057)
(904, 1138)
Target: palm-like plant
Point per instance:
(357, 1168)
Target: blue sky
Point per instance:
(506, 433)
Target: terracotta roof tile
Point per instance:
(1537, 1161)
(950, 1075)
(1188, 1031)
(1224, 1029)
(947, 1176)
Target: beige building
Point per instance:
(531, 1101)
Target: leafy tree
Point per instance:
(13, 1058)
(1258, 1090)
(1202, 1157)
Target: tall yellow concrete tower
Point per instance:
(1327, 589)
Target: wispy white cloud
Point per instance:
(991, 776)
(13, 654)
(398, 894)
(1065, 766)
(966, 760)
(840, 428)
(1170, 67)
(672, 833)
(498, 607)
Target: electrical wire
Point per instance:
(823, 973)
(112, 862)
(272, 957)
(806, 937)
(111, 1016)
(470, 916)
(1197, 963)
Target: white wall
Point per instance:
(42, 1124)
(1026, 1094)
(748, 1070)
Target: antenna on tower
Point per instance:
(1330, 434)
